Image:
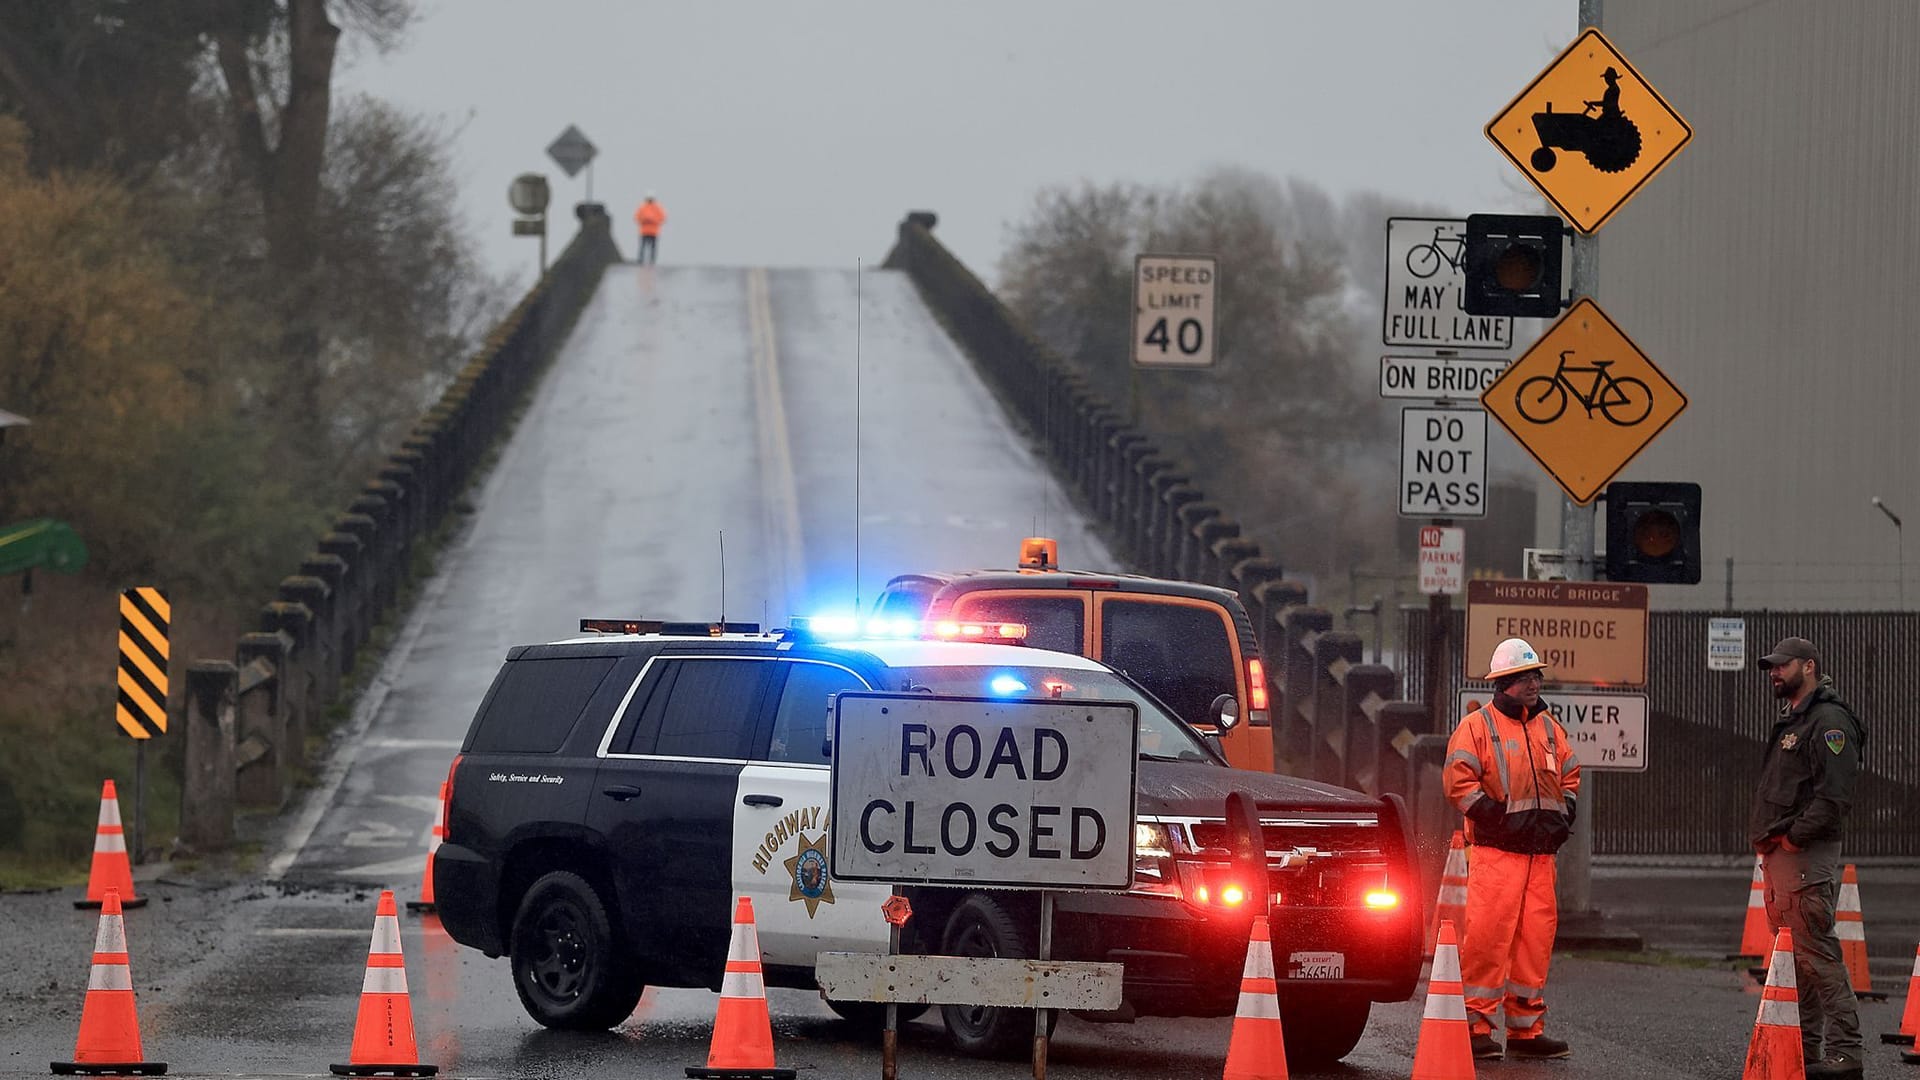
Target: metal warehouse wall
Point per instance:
(1771, 271)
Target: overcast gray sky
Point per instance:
(797, 134)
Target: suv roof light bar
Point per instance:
(659, 626)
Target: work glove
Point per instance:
(1572, 810)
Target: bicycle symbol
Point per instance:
(1424, 259)
(1623, 401)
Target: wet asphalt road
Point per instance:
(690, 402)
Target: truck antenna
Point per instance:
(723, 577)
(858, 273)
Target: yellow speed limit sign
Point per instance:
(1173, 310)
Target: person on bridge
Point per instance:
(1510, 769)
(650, 216)
(1806, 787)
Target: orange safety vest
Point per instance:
(1528, 769)
(651, 216)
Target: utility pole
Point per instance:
(1576, 543)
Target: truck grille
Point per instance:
(1314, 862)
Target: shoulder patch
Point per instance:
(1836, 739)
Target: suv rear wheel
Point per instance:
(567, 961)
(1321, 1032)
(982, 926)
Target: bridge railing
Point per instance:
(248, 719)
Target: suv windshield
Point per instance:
(1162, 737)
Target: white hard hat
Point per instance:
(649, 194)
(1511, 657)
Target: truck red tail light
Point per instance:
(1257, 693)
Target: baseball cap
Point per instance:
(1793, 648)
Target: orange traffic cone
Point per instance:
(742, 1032)
(1774, 1053)
(1851, 929)
(425, 903)
(383, 1034)
(1753, 936)
(1256, 1050)
(1909, 1020)
(109, 1042)
(1445, 1050)
(111, 871)
(1452, 903)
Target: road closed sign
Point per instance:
(1173, 310)
(976, 791)
(1443, 463)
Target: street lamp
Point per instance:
(1900, 547)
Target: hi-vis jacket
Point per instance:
(650, 217)
(1515, 779)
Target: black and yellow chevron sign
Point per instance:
(142, 708)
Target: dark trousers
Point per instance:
(647, 246)
(1803, 888)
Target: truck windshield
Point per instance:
(1162, 737)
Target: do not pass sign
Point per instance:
(1443, 463)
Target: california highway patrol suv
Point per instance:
(616, 791)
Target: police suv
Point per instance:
(617, 790)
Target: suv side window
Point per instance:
(1179, 651)
(710, 709)
(801, 724)
(1053, 622)
(535, 703)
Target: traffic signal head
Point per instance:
(1653, 532)
(1513, 265)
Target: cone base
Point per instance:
(422, 905)
(700, 1072)
(1910, 1057)
(125, 904)
(99, 1068)
(1896, 1038)
(383, 1070)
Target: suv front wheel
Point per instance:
(567, 964)
(982, 926)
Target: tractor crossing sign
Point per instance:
(1589, 131)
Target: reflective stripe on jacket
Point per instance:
(1524, 769)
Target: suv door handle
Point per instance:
(762, 800)
(622, 792)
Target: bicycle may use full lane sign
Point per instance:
(1426, 288)
(1584, 400)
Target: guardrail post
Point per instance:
(1400, 723)
(1183, 541)
(1274, 597)
(1301, 627)
(1208, 536)
(1367, 690)
(1335, 653)
(320, 645)
(1434, 817)
(206, 793)
(261, 759)
(342, 623)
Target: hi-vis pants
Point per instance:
(1511, 918)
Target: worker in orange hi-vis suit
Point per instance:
(649, 217)
(1511, 770)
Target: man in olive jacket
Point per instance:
(1806, 788)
